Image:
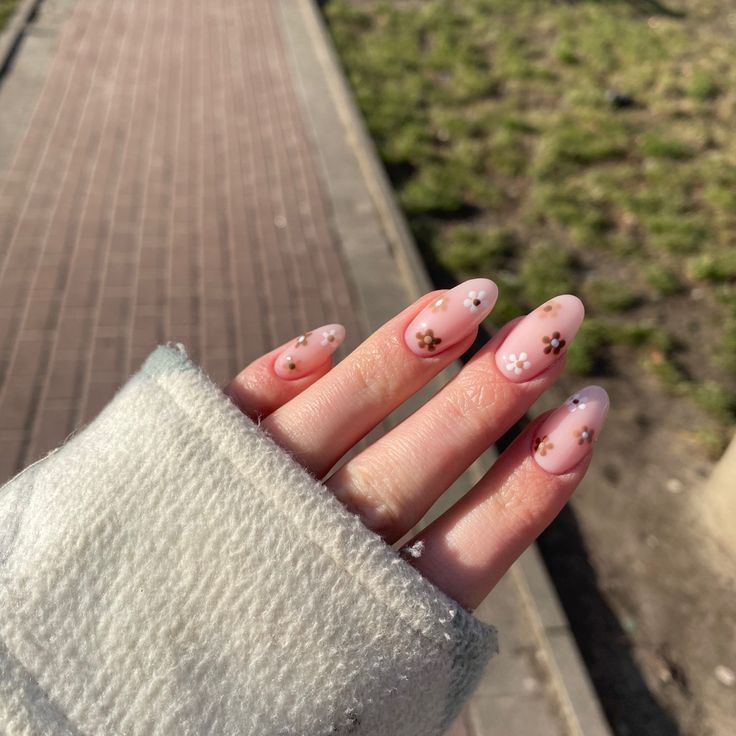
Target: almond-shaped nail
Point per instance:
(566, 436)
(450, 317)
(540, 338)
(308, 351)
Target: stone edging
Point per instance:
(11, 37)
(579, 704)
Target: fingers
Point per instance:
(392, 483)
(278, 376)
(468, 549)
(328, 418)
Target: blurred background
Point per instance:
(230, 173)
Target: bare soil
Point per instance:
(651, 600)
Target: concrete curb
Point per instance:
(11, 37)
(576, 696)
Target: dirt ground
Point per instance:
(651, 602)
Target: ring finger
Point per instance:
(392, 483)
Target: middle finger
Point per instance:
(327, 419)
(392, 483)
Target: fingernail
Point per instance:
(309, 351)
(450, 317)
(540, 338)
(567, 435)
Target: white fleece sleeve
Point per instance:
(170, 570)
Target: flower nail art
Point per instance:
(308, 351)
(585, 435)
(542, 445)
(440, 305)
(562, 441)
(328, 336)
(517, 363)
(450, 317)
(553, 344)
(476, 300)
(550, 309)
(539, 337)
(427, 340)
(577, 402)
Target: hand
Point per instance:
(317, 413)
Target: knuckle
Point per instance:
(519, 510)
(371, 377)
(474, 393)
(361, 491)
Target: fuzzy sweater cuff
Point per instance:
(170, 570)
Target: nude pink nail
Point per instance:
(540, 338)
(450, 317)
(308, 351)
(567, 435)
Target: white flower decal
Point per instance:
(476, 300)
(517, 363)
(328, 336)
(575, 402)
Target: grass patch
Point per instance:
(577, 129)
(7, 8)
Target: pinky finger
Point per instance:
(468, 549)
(275, 378)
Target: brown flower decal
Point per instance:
(585, 435)
(427, 340)
(302, 339)
(290, 363)
(439, 305)
(553, 344)
(542, 445)
(549, 309)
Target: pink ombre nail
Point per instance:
(540, 338)
(308, 351)
(567, 435)
(450, 317)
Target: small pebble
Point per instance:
(652, 541)
(619, 99)
(674, 485)
(725, 675)
(279, 221)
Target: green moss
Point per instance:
(716, 400)
(468, 250)
(604, 295)
(663, 279)
(680, 234)
(703, 86)
(714, 267)
(587, 352)
(546, 271)
(659, 146)
(7, 8)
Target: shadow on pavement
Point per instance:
(631, 708)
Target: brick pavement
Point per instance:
(165, 188)
(188, 172)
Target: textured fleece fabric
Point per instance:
(170, 570)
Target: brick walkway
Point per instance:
(167, 181)
(165, 188)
